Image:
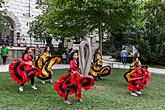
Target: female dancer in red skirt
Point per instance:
(139, 79)
(21, 70)
(73, 82)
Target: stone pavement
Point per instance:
(4, 68)
(120, 65)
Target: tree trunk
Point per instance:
(49, 41)
(62, 39)
(100, 37)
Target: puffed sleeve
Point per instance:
(27, 57)
(72, 64)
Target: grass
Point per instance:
(108, 94)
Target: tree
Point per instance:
(38, 30)
(151, 43)
(2, 19)
(77, 18)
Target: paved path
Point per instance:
(4, 68)
(120, 65)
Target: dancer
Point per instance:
(45, 63)
(97, 70)
(73, 82)
(137, 78)
(21, 70)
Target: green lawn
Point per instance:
(108, 94)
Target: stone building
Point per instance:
(19, 13)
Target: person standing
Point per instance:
(37, 52)
(4, 53)
(64, 58)
(124, 55)
(68, 53)
(18, 42)
(23, 43)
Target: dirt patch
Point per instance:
(99, 88)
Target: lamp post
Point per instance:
(29, 10)
(28, 14)
(30, 39)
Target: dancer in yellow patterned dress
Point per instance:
(97, 69)
(45, 63)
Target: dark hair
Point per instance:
(26, 51)
(71, 57)
(135, 56)
(3, 45)
(37, 46)
(70, 50)
(95, 54)
(124, 48)
(45, 49)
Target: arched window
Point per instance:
(38, 1)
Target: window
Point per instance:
(38, 1)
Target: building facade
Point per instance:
(19, 14)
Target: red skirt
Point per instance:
(21, 72)
(72, 83)
(135, 84)
(139, 83)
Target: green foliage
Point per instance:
(76, 18)
(2, 19)
(1, 2)
(128, 34)
(127, 21)
(151, 45)
(38, 30)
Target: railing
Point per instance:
(113, 64)
(16, 52)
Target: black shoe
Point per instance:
(95, 79)
(99, 78)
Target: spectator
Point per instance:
(18, 41)
(37, 52)
(4, 53)
(23, 43)
(7, 40)
(1, 42)
(124, 55)
(64, 58)
(68, 54)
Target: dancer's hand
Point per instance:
(28, 63)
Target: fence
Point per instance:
(15, 53)
(113, 64)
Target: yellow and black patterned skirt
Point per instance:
(97, 71)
